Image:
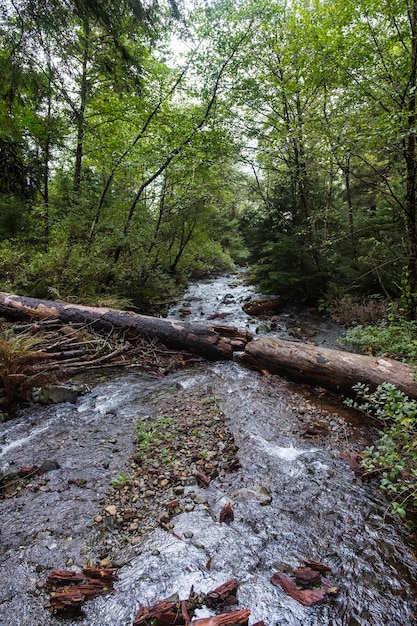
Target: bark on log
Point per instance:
(332, 369)
(212, 342)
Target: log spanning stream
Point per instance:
(293, 497)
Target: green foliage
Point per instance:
(121, 480)
(396, 338)
(286, 266)
(152, 436)
(394, 456)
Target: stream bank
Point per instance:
(292, 495)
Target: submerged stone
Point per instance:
(257, 492)
(53, 394)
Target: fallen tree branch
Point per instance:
(212, 342)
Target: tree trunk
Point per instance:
(332, 369)
(212, 342)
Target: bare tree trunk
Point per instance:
(410, 159)
(332, 369)
(212, 342)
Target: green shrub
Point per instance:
(394, 338)
(394, 456)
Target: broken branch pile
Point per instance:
(50, 351)
(77, 587)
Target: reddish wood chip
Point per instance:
(320, 567)
(160, 614)
(28, 470)
(224, 594)
(68, 601)
(224, 619)
(307, 577)
(64, 577)
(306, 597)
(103, 573)
(354, 462)
(202, 479)
(226, 514)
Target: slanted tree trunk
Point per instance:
(332, 369)
(212, 342)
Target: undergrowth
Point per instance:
(393, 458)
(394, 338)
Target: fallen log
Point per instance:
(212, 342)
(332, 369)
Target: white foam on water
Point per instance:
(22, 440)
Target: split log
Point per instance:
(236, 618)
(212, 342)
(306, 597)
(333, 369)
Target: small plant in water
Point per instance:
(394, 456)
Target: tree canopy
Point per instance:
(142, 142)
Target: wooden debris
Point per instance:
(68, 602)
(64, 577)
(331, 369)
(320, 567)
(224, 619)
(224, 594)
(212, 342)
(307, 577)
(202, 479)
(161, 614)
(226, 514)
(76, 587)
(354, 462)
(179, 613)
(106, 574)
(307, 585)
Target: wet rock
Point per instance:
(111, 509)
(53, 394)
(258, 493)
(49, 465)
(263, 307)
(262, 328)
(188, 534)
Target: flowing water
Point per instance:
(315, 507)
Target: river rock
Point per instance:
(53, 394)
(111, 509)
(257, 492)
(264, 306)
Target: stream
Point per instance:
(293, 496)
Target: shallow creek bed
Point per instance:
(168, 483)
(144, 467)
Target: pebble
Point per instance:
(98, 518)
(178, 490)
(136, 540)
(198, 544)
(189, 507)
(149, 493)
(199, 499)
(188, 534)
(111, 509)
